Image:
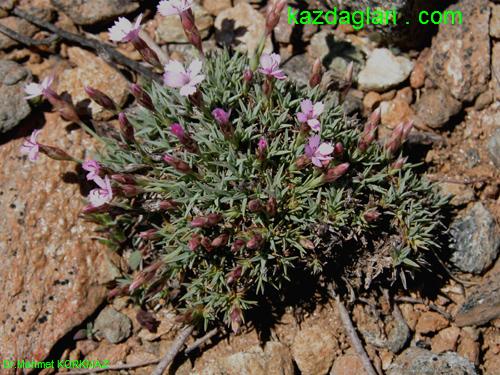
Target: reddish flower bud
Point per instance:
(237, 245)
(234, 275)
(55, 153)
(142, 97)
(194, 242)
(146, 51)
(398, 164)
(255, 205)
(398, 136)
(125, 179)
(214, 219)
(130, 190)
(272, 206)
(262, 149)
(338, 150)
(236, 317)
(199, 222)
(89, 210)
(371, 215)
(183, 137)
(302, 162)
(100, 98)
(255, 242)
(247, 75)
(370, 129)
(178, 164)
(335, 173)
(274, 15)
(168, 205)
(307, 244)
(126, 128)
(191, 30)
(220, 240)
(149, 234)
(66, 110)
(316, 73)
(207, 244)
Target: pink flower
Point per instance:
(269, 65)
(319, 153)
(38, 89)
(173, 7)
(310, 113)
(178, 77)
(93, 167)
(31, 147)
(124, 31)
(102, 195)
(178, 131)
(221, 116)
(262, 146)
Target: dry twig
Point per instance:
(353, 336)
(106, 51)
(421, 301)
(201, 341)
(27, 40)
(175, 348)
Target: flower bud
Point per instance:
(236, 318)
(316, 73)
(149, 234)
(126, 128)
(220, 240)
(370, 129)
(214, 219)
(335, 173)
(262, 149)
(207, 244)
(234, 275)
(142, 96)
(130, 190)
(191, 30)
(178, 164)
(194, 242)
(274, 15)
(146, 51)
(66, 110)
(255, 205)
(371, 215)
(302, 162)
(89, 210)
(247, 75)
(398, 164)
(100, 98)
(55, 153)
(158, 205)
(237, 245)
(125, 179)
(255, 242)
(338, 150)
(272, 206)
(183, 137)
(398, 136)
(307, 244)
(221, 116)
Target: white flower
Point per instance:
(174, 7)
(177, 76)
(103, 194)
(37, 89)
(124, 31)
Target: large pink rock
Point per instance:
(52, 272)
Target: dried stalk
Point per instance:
(353, 336)
(175, 348)
(106, 51)
(23, 39)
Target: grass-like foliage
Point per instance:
(236, 212)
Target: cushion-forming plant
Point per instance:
(228, 182)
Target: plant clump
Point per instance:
(229, 182)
